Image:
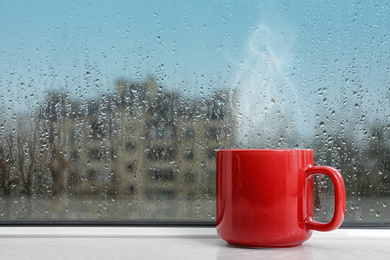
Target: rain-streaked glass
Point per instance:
(113, 110)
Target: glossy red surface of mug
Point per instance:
(265, 198)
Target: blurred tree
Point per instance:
(375, 177)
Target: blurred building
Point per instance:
(140, 142)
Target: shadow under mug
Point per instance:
(265, 198)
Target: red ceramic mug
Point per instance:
(265, 198)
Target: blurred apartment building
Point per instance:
(141, 142)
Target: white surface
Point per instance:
(179, 243)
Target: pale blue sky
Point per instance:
(122, 38)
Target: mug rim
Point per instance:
(264, 150)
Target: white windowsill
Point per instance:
(179, 243)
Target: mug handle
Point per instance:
(340, 198)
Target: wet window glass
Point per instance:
(113, 110)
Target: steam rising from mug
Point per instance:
(262, 94)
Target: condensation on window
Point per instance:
(114, 111)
